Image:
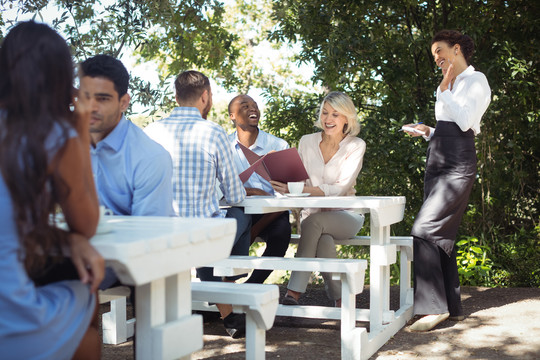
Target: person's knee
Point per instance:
(326, 248)
(326, 239)
(312, 223)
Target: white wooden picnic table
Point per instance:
(156, 254)
(383, 212)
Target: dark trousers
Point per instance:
(241, 245)
(436, 280)
(277, 236)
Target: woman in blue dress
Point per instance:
(45, 164)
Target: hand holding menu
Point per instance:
(283, 166)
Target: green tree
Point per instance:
(379, 53)
(183, 34)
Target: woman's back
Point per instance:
(44, 162)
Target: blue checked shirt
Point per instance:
(264, 143)
(202, 158)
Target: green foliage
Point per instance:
(290, 116)
(474, 265)
(379, 53)
(181, 34)
(517, 261)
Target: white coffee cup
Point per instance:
(103, 211)
(295, 187)
(103, 226)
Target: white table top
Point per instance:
(357, 202)
(385, 210)
(146, 248)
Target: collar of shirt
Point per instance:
(186, 112)
(464, 74)
(261, 146)
(116, 138)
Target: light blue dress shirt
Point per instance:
(132, 173)
(264, 143)
(202, 158)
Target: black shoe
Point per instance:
(289, 300)
(235, 325)
(208, 316)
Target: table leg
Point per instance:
(178, 300)
(149, 312)
(379, 288)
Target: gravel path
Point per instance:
(500, 324)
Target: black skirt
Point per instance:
(450, 174)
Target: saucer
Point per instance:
(297, 195)
(104, 227)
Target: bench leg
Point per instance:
(350, 336)
(115, 327)
(405, 290)
(255, 339)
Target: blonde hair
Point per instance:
(343, 104)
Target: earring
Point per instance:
(345, 128)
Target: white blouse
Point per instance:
(338, 176)
(466, 102)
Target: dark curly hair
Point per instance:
(453, 37)
(36, 92)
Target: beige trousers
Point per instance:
(317, 240)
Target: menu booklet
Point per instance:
(283, 166)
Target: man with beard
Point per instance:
(202, 160)
(273, 228)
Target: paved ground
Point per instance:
(500, 324)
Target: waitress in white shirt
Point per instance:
(462, 98)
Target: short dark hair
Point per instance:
(107, 67)
(190, 85)
(453, 37)
(233, 100)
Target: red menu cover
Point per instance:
(283, 166)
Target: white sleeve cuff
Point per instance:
(431, 132)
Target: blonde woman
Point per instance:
(333, 158)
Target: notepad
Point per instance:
(412, 129)
(283, 166)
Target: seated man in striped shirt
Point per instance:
(202, 158)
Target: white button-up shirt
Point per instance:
(466, 102)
